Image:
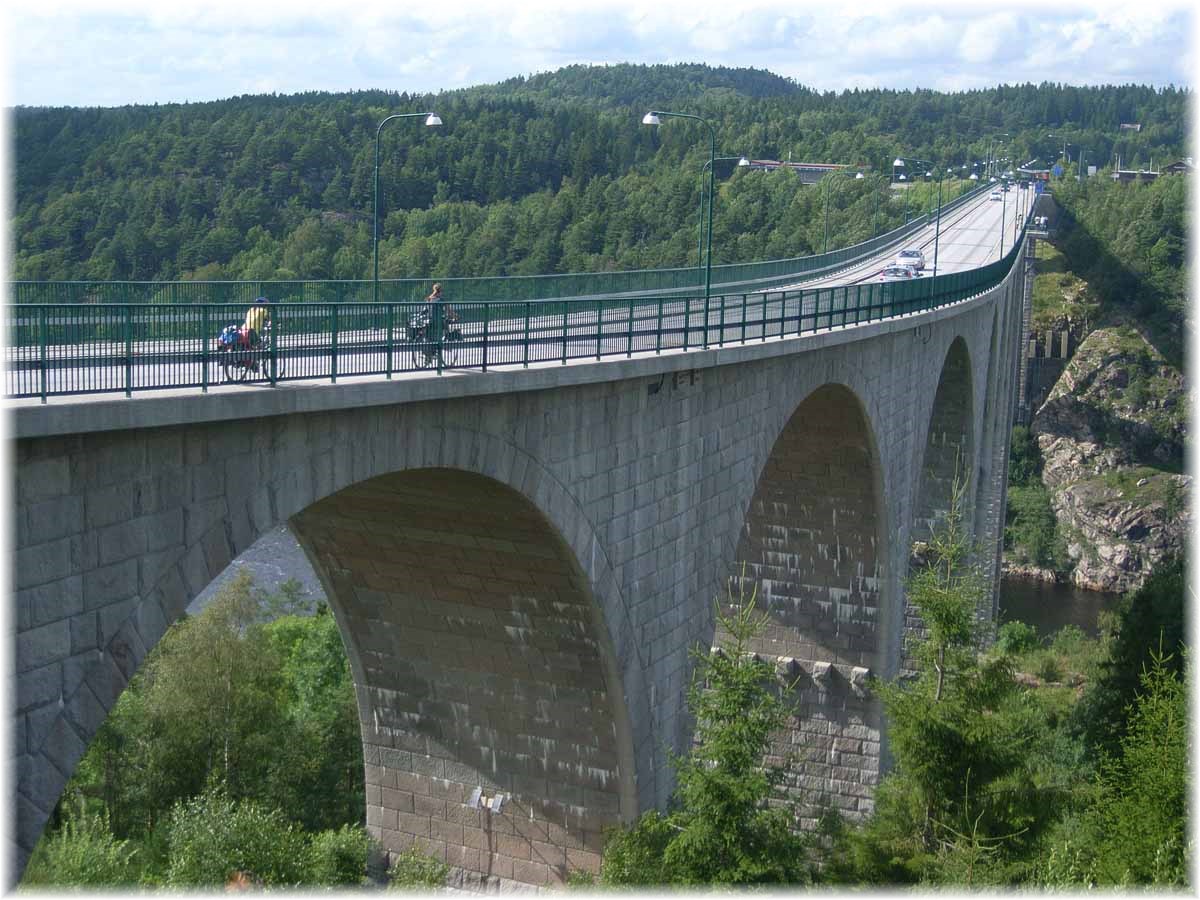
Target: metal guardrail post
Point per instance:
(564, 335)
(42, 341)
(743, 318)
(706, 310)
(721, 336)
(391, 323)
(204, 339)
(128, 351)
(333, 344)
(525, 362)
(658, 331)
(487, 321)
(272, 358)
(599, 327)
(687, 320)
(764, 316)
(629, 335)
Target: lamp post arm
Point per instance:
(375, 206)
(712, 156)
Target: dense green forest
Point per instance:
(551, 173)
(233, 757)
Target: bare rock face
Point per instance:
(1111, 435)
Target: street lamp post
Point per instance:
(431, 119)
(858, 175)
(1003, 203)
(654, 118)
(742, 163)
(937, 228)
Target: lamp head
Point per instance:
(898, 162)
(433, 119)
(651, 118)
(858, 175)
(743, 161)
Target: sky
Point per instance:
(117, 52)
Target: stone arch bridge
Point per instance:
(520, 561)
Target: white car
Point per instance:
(912, 258)
(898, 273)
(995, 195)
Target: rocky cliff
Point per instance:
(1111, 436)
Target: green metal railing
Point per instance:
(654, 282)
(86, 348)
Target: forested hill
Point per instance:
(551, 172)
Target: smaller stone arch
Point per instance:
(948, 455)
(949, 442)
(812, 541)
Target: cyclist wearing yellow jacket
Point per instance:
(257, 318)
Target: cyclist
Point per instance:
(258, 317)
(439, 315)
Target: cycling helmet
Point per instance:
(259, 300)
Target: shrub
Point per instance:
(212, 837)
(414, 869)
(1015, 638)
(83, 854)
(338, 857)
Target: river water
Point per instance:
(1048, 607)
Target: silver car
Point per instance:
(898, 273)
(912, 258)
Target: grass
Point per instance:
(1059, 296)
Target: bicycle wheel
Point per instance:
(450, 348)
(235, 366)
(419, 354)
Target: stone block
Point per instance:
(45, 644)
(49, 520)
(63, 746)
(109, 584)
(84, 633)
(47, 562)
(42, 479)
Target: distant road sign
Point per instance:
(1057, 170)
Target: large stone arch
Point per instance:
(481, 662)
(164, 511)
(813, 541)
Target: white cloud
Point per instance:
(86, 52)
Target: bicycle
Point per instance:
(424, 351)
(238, 360)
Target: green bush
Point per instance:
(212, 837)
(83, 854)
(413, 870)
(1015, 638)
(1032, 527)
(339, 857)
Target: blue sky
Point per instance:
(115, 52)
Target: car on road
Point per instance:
(899, 273)
(995, 195)
(911, 257)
